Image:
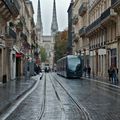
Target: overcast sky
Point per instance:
(46, 13)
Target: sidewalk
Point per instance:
(103, 80)
(12, 90)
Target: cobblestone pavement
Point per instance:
(56, 108)
(12, 90)
(101, 101)
(30, 108)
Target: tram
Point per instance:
(70, 66)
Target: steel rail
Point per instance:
(44, 99)
(78, 105)
(59, 99)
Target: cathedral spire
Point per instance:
(39, 21)
(54, 26)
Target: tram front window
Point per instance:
(72, 63)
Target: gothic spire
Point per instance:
(54, 26)
(39, 21)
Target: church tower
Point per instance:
(39, 26)
(54, 26)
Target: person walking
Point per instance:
(110, 73)
(114, 75)
(89, 71)
(28, 72)
(37, 69)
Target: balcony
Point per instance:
(75, 19)
(83, 9)
(115, 5)
(105, 14)
(108, 14)
(4, 12)
(13, 6)
(94, 25)
(82, 31)
(114, 2)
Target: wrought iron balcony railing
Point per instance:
(93, 25)
(101, 19)
(83, 9)
(13, 6)
(82, 31)
(108, 14)
(114, 1)
(105, 14)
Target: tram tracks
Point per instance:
(82, 111)
(44, 100)
(59, 99)
(59, 87)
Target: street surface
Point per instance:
(58, 98)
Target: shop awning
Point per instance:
(19, 55)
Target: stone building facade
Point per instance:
(98, 22)
(80, 21)
(16, 36)
(8, 11)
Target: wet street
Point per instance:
(58, 98)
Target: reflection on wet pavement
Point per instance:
(100, 101)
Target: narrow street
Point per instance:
(43, 40)
(58, 98)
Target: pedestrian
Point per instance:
(110, 73)
(37, 69)
(27, 71)
(89, 70)
(114, 75)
